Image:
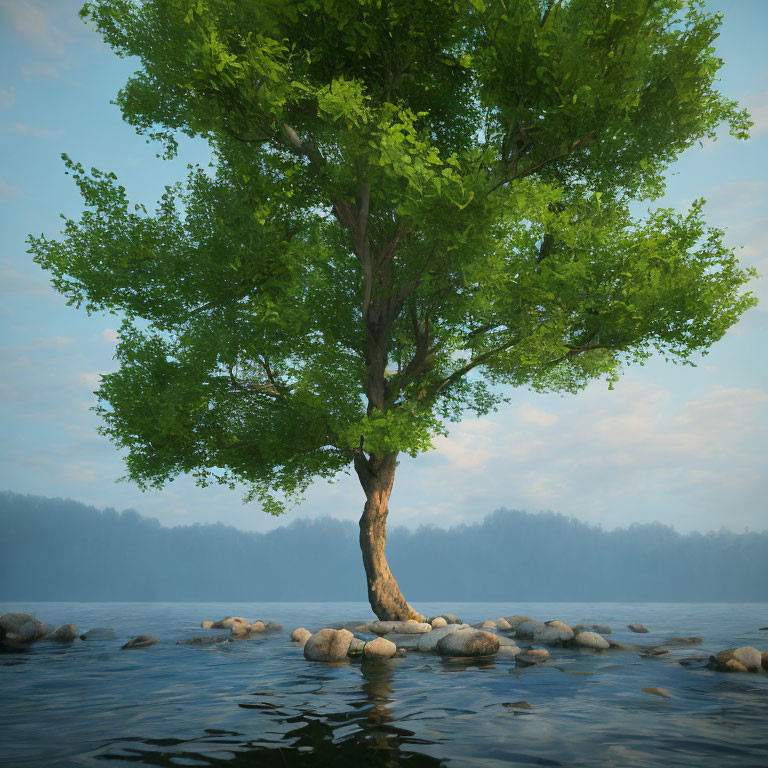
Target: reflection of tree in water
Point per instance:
(362, 734)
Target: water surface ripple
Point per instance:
(258, 702)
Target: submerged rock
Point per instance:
(380, 648)
(554, 636)
(591, 640)
(764, 659)
(328, 645)
(470, 642)
(603, 629)
(637, 627)
(99, 633)
(207, 640)
(684, 640)
(140, 641)
(274, 626)
(508, 652)
(531, 657)
(300, 635)
(228, 622)
(66, 633)
(517, 704)
(744, 659)
(438, 622)
(656, 692)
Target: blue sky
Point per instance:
(681, 445)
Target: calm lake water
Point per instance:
(258, 702)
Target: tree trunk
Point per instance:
(377, 475)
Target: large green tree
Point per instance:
(415, 205)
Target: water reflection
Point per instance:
(297, 729)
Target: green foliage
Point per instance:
(416, 205)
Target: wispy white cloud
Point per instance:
(43, 69)
(8, 192)
(88, 378)
(7, 98)
(32, 23)
(110, 335)
(39, 133)
(52, 342)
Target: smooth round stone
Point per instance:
(428, 643)
(380, 648)
(356, 646)
(99, 633)
(66, 633)
(256, 628)
(746, 656)
(637, 627)
(328, 645)
(438, 622)
(300, 635)
(274, 626)
(553, 636)
(451, 619)
(399, 627)
(508, 652)
(591, 640)
(472, 642)
(206, 624)
(26, 633)
(237, 630)
(528, 630)
(228, 622)
(503, 624)
(562, 626)
(603, 629)
(488, 624)
(13, 628)
(206, 640)
(517, 619)
(140, 641)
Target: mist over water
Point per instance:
(62, 550)
(259, 702)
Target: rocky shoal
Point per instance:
(522, 639)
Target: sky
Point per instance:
(682, 445)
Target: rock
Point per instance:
(206, 624)
(357, 646)
(400, 627)
(503, 624)
(273, 626)
(44, 630)
(206, 640)
(554, 636)
(762, 629)
(747, 657)
(380, 648)
(66, 633)
(621, 646)
(534, 656)
(99, 633)
(256, 628)
(428, 643)
(13, 629)
(237, 630)
(560, 625)
(764, 659)
(140, 641)
(451, 619)
(591, 640)
(659, 651)
(528, 630)
(636, 627)
(488, 624)
(438, 622)
(656, 692)
(300, 635)
(602, 629)
(470, 642)
(693, 661)
(684, 640)
(518, 704)
(328, 645)
(513, 621)
(508, 652)
(228, 622)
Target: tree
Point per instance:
(414, 206)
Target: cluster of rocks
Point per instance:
(744, 659)
(238, 627)
(18, 630)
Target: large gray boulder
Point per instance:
(472, 642)
(140, 641)
(744, 659)
(427, 643)
(561, 625)
(554, 636)
(66, 633)
(591, 640)
(328, 645)
(513, 621)
(15, 629)
(528, 630)
(400, 627)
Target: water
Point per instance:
(259, 702)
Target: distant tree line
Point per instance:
(55, 549)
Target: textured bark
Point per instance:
(377, 475)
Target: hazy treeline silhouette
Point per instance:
(54, 549)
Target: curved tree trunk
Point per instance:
(377, 475)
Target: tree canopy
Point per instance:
(414, 205)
